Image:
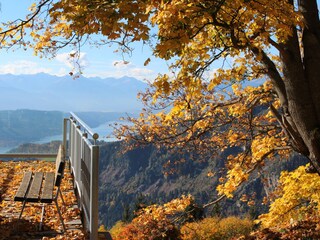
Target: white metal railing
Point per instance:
(83, 153)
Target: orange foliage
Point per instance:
(216, 228)
(156, 221)
(209, 103)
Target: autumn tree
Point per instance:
(243, 73)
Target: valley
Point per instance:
(35, 126)
(134, 178)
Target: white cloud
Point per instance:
(115, 69)
(23, 67)
(73, 60)
(122, 68)
(142, 73)
(62, 72)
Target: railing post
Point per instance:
(94, 208)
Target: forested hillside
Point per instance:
(138, 178)
(22, 126)
(131, 180)
(51, 147)
(94, 119)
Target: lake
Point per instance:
(104, 130)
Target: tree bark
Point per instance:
(301, 79)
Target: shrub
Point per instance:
(102, 228)
(215, 228)
(156, 222)
(117, 229)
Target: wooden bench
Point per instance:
(39, 187)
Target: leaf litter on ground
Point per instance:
(11, 227)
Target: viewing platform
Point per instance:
(11, 227)
(78, 200)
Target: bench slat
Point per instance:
(60, 164)
(33, 194)
(30, 187)
(21, 193)
(58, 160)
(47, 190)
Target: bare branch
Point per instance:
(26, 21)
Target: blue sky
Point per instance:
(97, 62)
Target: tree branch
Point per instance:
(274, 75)
(26, 21)
(247, 172)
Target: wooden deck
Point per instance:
(27, 227)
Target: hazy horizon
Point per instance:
(48, 92)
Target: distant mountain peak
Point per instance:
(48, 92)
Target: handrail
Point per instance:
(83, 156)
(86, 128)
(28, 155)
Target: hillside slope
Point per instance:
(22, 126)
(136, 177)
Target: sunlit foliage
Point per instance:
(117, 228)
(298, 198)
(156, 221)
(217, 228)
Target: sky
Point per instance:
(97, 62)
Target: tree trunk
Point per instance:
(302, 83)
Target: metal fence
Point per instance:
(83, 153)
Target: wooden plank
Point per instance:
(34, 191)
(58, 160)
(47, 189)
(23, 189)
(60, 163)
(58, 180)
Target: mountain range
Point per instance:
(48, 92)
